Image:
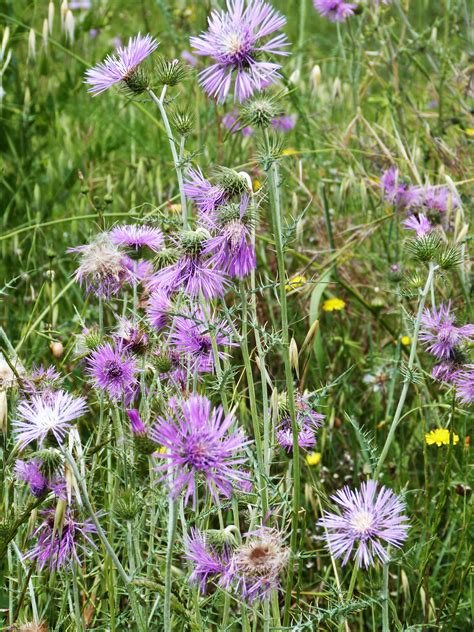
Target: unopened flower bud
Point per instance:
(50, 17)
(69, 26)
(45, 35)
(315, 78)
(31, 45)
(57, 349)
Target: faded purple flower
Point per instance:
(189, 58)
(419, 223)
(102, 266)
(136, 236)
(121, 66)
(464, 382)
(335, 10)
(193, 272)
(232, 248)
(440, 333)
(398, 192)
(284, 123)
(39, 417)
(57, 547)
(159, 310)
(257, 564)
(30, 472)
(113, 370)
(191, 335)
(370, 518)
(207, 562)
(439, 199)
(234, 41)
(200, 447)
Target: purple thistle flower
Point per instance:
(57, 546)
(439, 199)
(113, 369)
(208, 564)
(232, 248)
(120, 66)
(439, 331)
(447, 371)
(102, 266)
(30, 472)
(159, 310)
(464, 382)
(193, 272)
(200, 446)
(131, 335)
(41, 416)
(284, 123)
(191, 335)
(137, 425)
(135, 236)
(419, 223)
(233, 40)
(308, 422)
(257, 564)
(335, 10)
(397, 192)
(139, 271)
(189, 58)
(370, 517)
(205, 195)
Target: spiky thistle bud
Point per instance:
(425, 248)
(192, 241)
(50, 461)
(126, 507)
(170, 72)
(260, 112)
(166, 257)
(449, 258)
(182, 119)
(233, 183)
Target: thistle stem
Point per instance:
(411, 361)
(172, 518)
(385, 597)
(176, 159)
(275, 208)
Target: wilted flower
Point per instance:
(113, 369)
(441, 436)
(419, 223)
(122, 67)
(439, 331)
(102, 266)
(257, 564)
(370, 517)
(335, 10)
(58, 546)
(234, 41)
(192, 335)
(42, 416)
(136, 236)
(200, 446)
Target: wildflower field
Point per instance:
(236, 373)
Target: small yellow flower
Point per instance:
(295, 282)
(290, 151)
(405, 340)
(256, 185)
(440, 436)
(333, 305)
(469, 131)
(313, 458)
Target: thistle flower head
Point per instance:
(113, 370)
(30, 472)
(440, 333)
(101, 266)
(205, 195)
(235, 40)
(200, 447)
(397, 191)
(170, 72)
(260, 111)
(207, 562)
(335, 10)
(131, 335)
(57, 547)
(257, 564)
(41, 380)
(307, 420)
(419, 223)
(464, 382)
(137, 236)
(122, 67)
(159, 309)
(40, 417)
(370, 518)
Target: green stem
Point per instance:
(276, 217)
(406, 385)
(172, 516)
(174, 153)
(355, 572)
(385, 597)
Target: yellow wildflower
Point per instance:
(256, 185)
(333, 304)
(405, 340)
(440, 436)
(313, 458)
(295, 282)
(290, 151)
(469, 131)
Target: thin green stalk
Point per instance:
(385, 598)
(172, 518)
(276, 217)
(177, 163)
(350, 590)
(411, 361)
